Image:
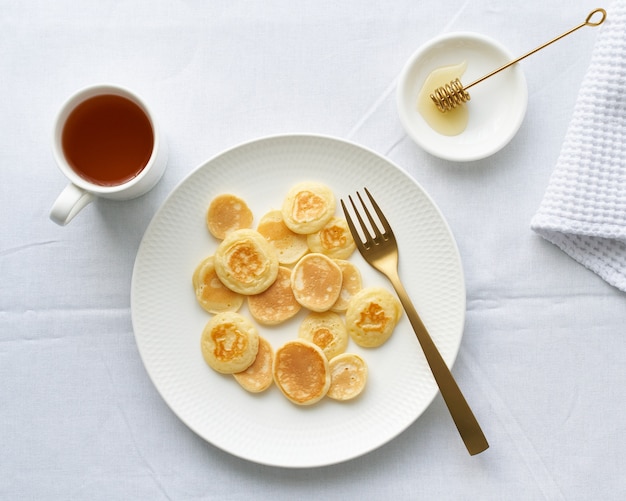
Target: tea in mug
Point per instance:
(107, 140)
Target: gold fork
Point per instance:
(381, 251)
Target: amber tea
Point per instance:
(107, 140)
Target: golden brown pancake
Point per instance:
(229, 343)
(211, 293)
(258, 377)
(276, 304)
(316, 282)
(348, 375)
(227, 213)
(245, 262)
(372, 315)
(351, 283)
(327, 330)
(333, 239)
(308, 206)
(289, 246)
(301, 372)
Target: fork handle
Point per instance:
(462, 415)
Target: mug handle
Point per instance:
(69, 203)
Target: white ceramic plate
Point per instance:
(266, 428)
(497, 106)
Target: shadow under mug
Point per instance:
(81, 191)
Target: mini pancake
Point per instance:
(258, 377)
(227, 213)
(289, 246)
(316, 282)
(229, 343)
(308, 206)
(211, 293)
(351, 283)
(333, 239)
(372, 315)
(301, 372)
(245, 262)
(348, 375)
(276, 304)
(327, 330)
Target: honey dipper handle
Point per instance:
(588, 22)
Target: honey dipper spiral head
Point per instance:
(450, 95)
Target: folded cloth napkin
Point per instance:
(584, 207)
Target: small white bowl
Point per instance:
(497, 105)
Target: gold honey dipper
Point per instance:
(451, 95)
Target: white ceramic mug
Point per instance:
(80, 192)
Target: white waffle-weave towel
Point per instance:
(584, 208)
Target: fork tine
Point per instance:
(380, 214)
(368, 236)
(369, 216)
(353, 230)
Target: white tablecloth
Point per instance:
(542, 357)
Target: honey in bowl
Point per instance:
(452, 122)
(107, 140)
